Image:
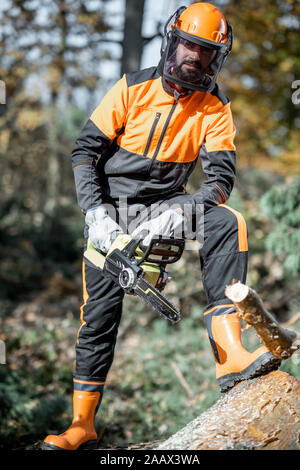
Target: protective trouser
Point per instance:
(223, 257)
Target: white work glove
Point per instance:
(169, 224)
(103, 230)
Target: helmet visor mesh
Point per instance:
(191, 64)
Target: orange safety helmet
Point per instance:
(197, 40)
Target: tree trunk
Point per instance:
(132, 42)
(262, 413)
(58, 69)
(53, 174)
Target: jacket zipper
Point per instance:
(163, 132)
(154, 125)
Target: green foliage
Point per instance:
(282, 205)
(70, 123)
(27, 406)
(33, 253)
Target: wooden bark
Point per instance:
(281, 342)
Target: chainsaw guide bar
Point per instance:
(140, 271)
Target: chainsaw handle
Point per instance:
(168, 256)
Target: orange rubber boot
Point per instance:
(233, 362)
(81, 434)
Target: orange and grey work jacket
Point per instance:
(149, 141)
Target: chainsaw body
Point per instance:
(140, 270)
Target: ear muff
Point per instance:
(167, 34)
(229, 40)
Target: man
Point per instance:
(150, 130)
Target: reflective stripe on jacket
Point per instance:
(149, 142)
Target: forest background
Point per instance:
(57, 59)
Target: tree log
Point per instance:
(257, 414)
(281, 342)
(262, 413)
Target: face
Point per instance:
(192, 61)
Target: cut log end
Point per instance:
(237, 292)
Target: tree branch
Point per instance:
(281, 342)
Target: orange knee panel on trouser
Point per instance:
(82, 428)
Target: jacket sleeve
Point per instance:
(218, 159)
(103, 126)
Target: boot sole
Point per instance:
(89, 445)
(263, 365)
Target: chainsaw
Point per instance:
(140, 270)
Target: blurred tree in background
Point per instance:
(54, 57)
(261, 70)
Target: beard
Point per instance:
(187, 74)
